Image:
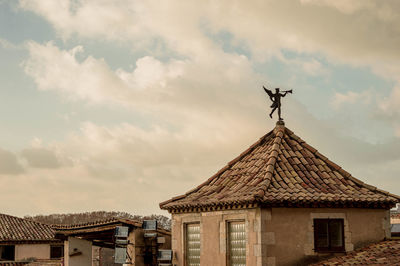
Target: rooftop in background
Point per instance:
(383, 253)
(15, 229)
(281, 170)
(101, 233)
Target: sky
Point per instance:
(120, 105)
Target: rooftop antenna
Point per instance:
(276, 100)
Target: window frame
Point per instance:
(185, 240)
(3, 250)
(328, 249)
(56, 246)
(228, 246)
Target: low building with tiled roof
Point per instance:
(96, 240)
(22, 239)
(280, 202)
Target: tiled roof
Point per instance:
(100, 225)
(18, 229)
(110, 221)
(281, 170)
(383, 253)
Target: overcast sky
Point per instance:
(119, 105)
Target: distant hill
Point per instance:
(85, 217)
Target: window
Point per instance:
(192, 243)
(56, 252)
(328, 235)
(7, 252)
(236, 243)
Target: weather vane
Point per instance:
(276, 100)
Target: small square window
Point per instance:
(56, 252)
(7, 252)
(329, 235)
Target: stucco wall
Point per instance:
(292, 229)
(277, 236)
(39, 251)
(80, 245)
(213, 235)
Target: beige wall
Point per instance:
(81, 245)
(39, 251)
(213, 235)
(277, 236)
(292, 229)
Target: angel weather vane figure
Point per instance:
(276, 100)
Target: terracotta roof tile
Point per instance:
(281, 169)
(18, 229)
(383, 253)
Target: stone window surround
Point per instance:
(223, 226)
(192, 219)
(309, 246)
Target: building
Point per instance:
(24, 240)
(280, 202)
(94, 243)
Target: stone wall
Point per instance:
(291, 229)
(213, 235)
(277, 236)
(38, 251)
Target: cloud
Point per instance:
(41, 158)
(351, 97)
(391, 105)
(54, 69)
(199, 101)
(359, 33)
(153, 86)
(265, 26)
(8, 45)
(9, 164)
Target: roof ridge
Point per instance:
(271, 161)
(87, 224)
(226, 167)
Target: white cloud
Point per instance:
(360, 33)
(391, 105)
(208, 114)
(8, 45)
(351, 97)
(152, 86)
